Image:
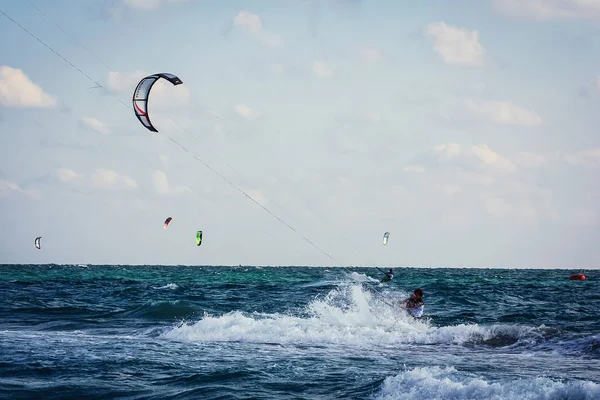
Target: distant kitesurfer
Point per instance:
(388, 276)
(414, 305)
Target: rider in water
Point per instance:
(415, 303)
(388, 276)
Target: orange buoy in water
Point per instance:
(577, 277)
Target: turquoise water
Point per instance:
(160, 332)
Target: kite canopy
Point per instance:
(142, 93)
(167, 222)
(198, 238)
(386, 237)
(38, 245)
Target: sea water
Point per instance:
(208, 332)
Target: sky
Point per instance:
(303, 130)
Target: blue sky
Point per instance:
(468, 130)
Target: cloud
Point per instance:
(504, 113)
(164, 160)
(148, 4)
(456, 45)
(95, 125)
(65, 174)
(101, 178)
(321, 69)
(248, 21)
(7, 188)
(590, 158)
(467, 158)
(548, 9)
(161, 184)
(252, 24)
(105, 178)
(489, 157)
(16, 90)
(245, 111)
(163, 93)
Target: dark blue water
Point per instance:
(157, 332)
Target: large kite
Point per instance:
(141, 94)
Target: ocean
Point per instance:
(218, 332)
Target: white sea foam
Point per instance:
(349, 315)
(447, 383)
(171, 286)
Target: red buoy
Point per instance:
(578, 277)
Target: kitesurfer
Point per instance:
(388, 276)
(414, 305)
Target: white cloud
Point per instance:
(95, 125)
(548, 9)
(7, 188)
(162, 186)
(245, 111)
(248, 21)
(456, 45)
(105, 178)
(65, 174)
(127, 181)
(252, 24)
(16, 90)
(474, 155)
(163, 92)
(164, 160)
(589, 157)
(148, 4)
(101, 178)
(489, 157)
(161, 182)
(504, 113)
(321, 69)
